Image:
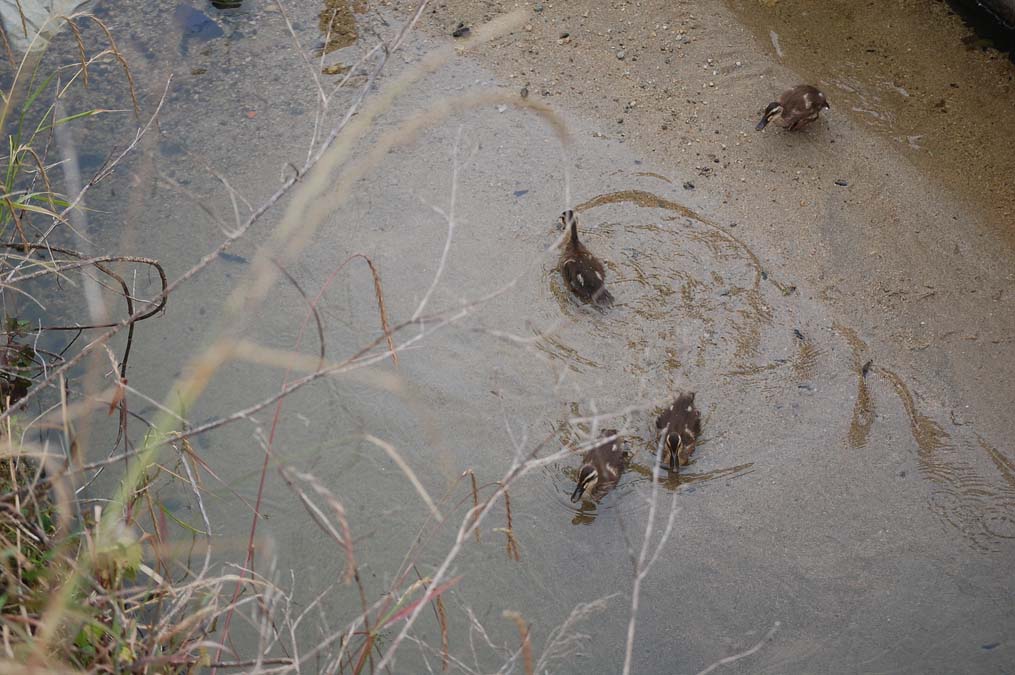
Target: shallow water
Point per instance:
(915, 75)
(825, 495)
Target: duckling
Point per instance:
(581, 270)
(681, 423)
(601, 467)
(795, 109)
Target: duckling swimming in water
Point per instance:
(584, 274)
(681, 424)
(601, 467)
(795, 109)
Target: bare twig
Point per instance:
(736, 657)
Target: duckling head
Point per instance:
(771, 112)
(675, 450)
(588, 477)
(568, 221)
(566, 218)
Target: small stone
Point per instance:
(688, 185)
(525, 92)
(621, 54)
(538, 7)
(841, 183)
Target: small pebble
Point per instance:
(461, 31)
(621, 55)
(538, 7)
(688, 185)
(525, 92)
(841, 183)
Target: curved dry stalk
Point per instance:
(409, 473)
(450, 217)
(523, 631)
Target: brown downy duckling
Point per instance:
(795, 109)
(681, 424)
(601, 467)
(581, 270)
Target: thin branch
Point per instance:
(737, 657)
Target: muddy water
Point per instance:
(828, 494)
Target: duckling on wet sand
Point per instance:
(681, 424)
(601, 467)
(795, 109)
(584, 274)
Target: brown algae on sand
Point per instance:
(337, 22)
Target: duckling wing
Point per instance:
(586, 276)
(667, 416)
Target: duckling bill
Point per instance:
(795, 109)
(601, 467)
(582, 271)
(681, 425)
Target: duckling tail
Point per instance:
(603, 297)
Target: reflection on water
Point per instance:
(715, 273)
(624, 497)
(978, 506)
(863, 408)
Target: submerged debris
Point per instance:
(335, 69)
(337, 25)
(866, 368)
